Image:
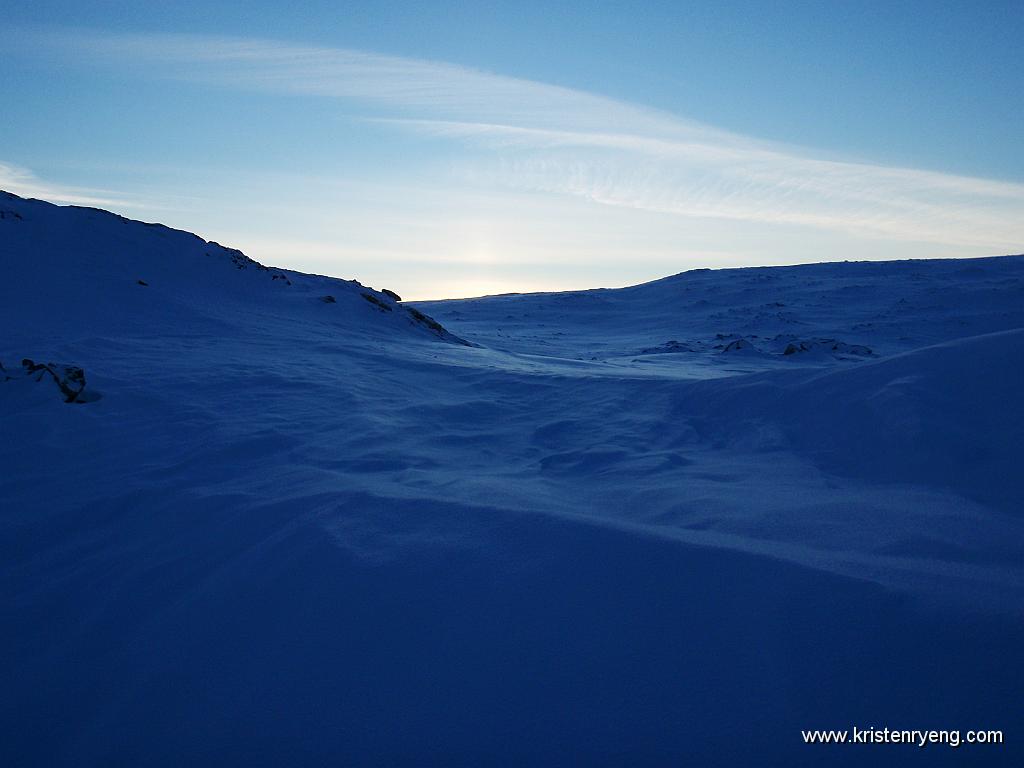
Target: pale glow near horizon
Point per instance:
(522, 185)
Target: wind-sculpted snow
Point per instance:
(946, 416)
(294, 531)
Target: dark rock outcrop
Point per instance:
(426, 320)
(669, 347)
(376, 302)
(740, 345)
(70, 379)
(833, 346)
(429, 322)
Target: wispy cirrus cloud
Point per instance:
(535, 136)
(401, 85)
(25, 183)
(701, 176)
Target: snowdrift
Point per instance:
(949, 415)
(294, 521)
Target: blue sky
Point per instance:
(465, 148)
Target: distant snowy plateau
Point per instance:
(255, 517)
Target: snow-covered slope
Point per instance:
(281, 530)
(861, 307)
(87, 271)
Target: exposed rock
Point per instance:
(669, 347)
(142, 282)
(740, 345)
(833, 346)
(328, 299)
(391, 294)
(70, 379)
(434, 326)
(376, 302)
(430, 322)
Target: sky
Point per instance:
(457, 149)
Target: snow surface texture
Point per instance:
(289, 521)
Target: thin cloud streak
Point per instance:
(752, 183)
(535, 136)
(430, 89)
(25, 183)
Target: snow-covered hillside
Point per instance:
(84, 271)
(670, 524)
